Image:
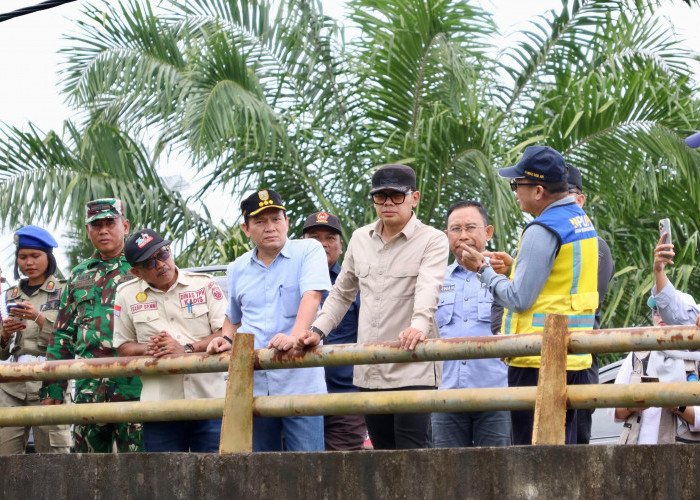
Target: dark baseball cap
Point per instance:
(540, 163)
(142, 245)
(693, 141)
(261, 200)
(575, 180)
(399, 178)
(322, 219)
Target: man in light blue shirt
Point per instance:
(274, 293)
(464, 310)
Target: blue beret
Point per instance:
(34, 237)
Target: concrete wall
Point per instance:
(668, 471)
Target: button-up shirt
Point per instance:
(399, 281)
(675, 308)
(265, 300)
(339, 378)
(464, 310)
(191, 309)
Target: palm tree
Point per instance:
(269, 93)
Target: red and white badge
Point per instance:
(117, 310)
(216, 290)
(145, 306)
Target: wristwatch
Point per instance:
(189, 348)
(487, 263)
(319, 332)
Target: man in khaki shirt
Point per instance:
(170, 311)
(398, 264)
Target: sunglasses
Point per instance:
(151, 263)
(514, 185)
(396, 197)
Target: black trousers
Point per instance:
(522, 421)
(399, 431)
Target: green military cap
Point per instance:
(104, 208)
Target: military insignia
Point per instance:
(144, 240)
(50, 286)
(216, 292)
(322, 217)
(141, 297)
(263, 195)
(14, 293)
(16, 239)
(117, 310)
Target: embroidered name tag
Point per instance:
(145, 306)
(447, 288)
(194, 298)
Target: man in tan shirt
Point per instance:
(170, 311)
(398, 264)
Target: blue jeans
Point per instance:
(300, 434)
(200, 436)
(483, 428)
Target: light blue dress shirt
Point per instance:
(464, 310)
(265, 301)
(675, 307)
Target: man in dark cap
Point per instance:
(84, 329)
(398, 264)
(555, 271)
(274, 293)
(170, 311)
(341, 432)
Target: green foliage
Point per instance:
(262, 93)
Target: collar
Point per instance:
(335, 268)
(408, 230)
(567, 200)
(456, 268)
(181, 279)
(286, 252)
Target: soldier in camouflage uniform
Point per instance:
(84, 329)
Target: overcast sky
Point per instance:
(29, 61)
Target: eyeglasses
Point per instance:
(151, 263)
(514, 185)
(469, 229)
(396, 197)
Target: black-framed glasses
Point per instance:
(514, 184)
(151, 263)
(396, 197)
(469, 229)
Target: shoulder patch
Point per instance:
(13, 293)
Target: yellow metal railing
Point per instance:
(550, 398)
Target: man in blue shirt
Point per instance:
(464, 310)
(274, 293)
(342, 432)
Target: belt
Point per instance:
(30, 358)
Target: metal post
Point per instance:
(237, 422)
(550, 401)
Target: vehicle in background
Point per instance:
(604, 430)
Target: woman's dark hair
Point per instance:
(51, 269)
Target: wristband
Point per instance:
(319, 332)
(227, 339)
(37, 317)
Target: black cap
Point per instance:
(395, 177)
(142, 245)
(540, 163)
(322, 219)
(261, 200)
(575, 180)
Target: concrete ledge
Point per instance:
(664, 471)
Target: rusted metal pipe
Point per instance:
(662, 394)
(669, 337)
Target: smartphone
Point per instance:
(665, 227)
(11, 306)
(646, 378)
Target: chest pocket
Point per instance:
(402, 280)
(446, 305)
(290, 298)
(197, 311)
(484, 305)
(84, 305)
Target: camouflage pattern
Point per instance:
(84, 328)
(99, 438)
(105, 208)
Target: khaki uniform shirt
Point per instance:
(399, 282)
(192, 309)
(32, 340)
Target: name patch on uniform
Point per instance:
(216, 291)
(194, 298)
(146, 306)
(447, 288)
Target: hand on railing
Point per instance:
(163, 343)
(410, 337)
(50, 401)
(218, 345)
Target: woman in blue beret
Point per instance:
(30, 310)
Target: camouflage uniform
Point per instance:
(84, 329)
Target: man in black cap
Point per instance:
(274, 293)
(398, 264)
(170, 311)
(341, 432)
(555, 271)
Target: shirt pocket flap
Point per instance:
(197, 311)
(409, 269)
(584, 301)
(362, 269)
(290, 298)
(145, 316)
